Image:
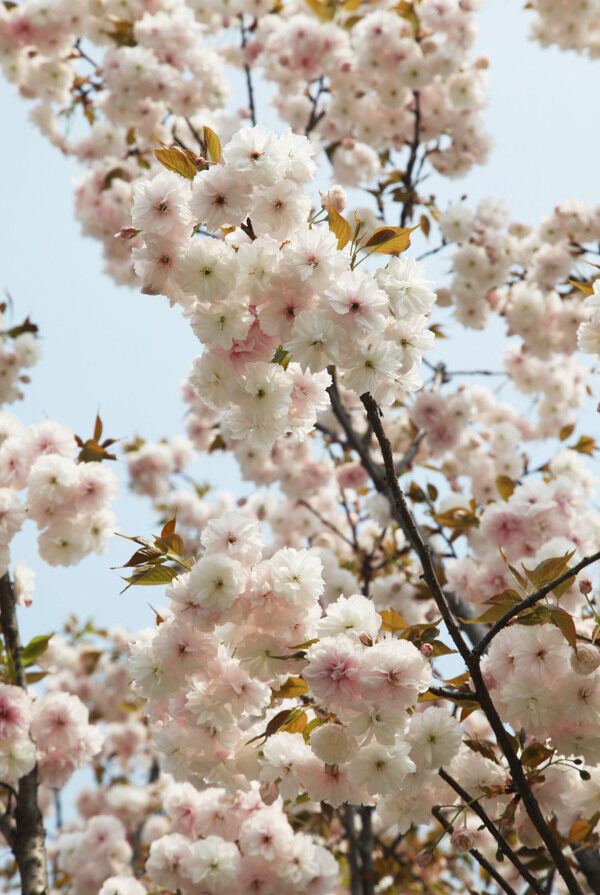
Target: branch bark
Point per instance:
(28, 834)
(423, 551)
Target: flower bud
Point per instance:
(335, 198)
(585, 659)
(127, 232)
(585, 586)
(462, 840)
(424, 857)
(427, 650)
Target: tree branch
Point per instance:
(474, 805)
(530, 601)
(483, 862)
(28, 842)
(423, 551)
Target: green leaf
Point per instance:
(36, 647)
(534, 754)
(340, 227)
(213, 144)
(293, 687)
(157, 574)
(389, 240)
(548, 569)
(564, 621)
(482, 748)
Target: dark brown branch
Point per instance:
(503, 845)
(380, 483)
(423, 551)
(366, 844)
(409, 186)
(531, 600)
(249, 84)
(28, 839)
(483, 862)
(355, 881)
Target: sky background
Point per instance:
(114, 350)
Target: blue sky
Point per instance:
(124, 353)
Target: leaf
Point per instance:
(392, 621)
(325, 11)
(548, 569)
(482, 748)
(425, 224)
(505, 486)
(218, 444)
(566, 431)
(145, 555)
(276, 722)
(460, 680)
(156, 574)
(213, 144)
(459, 518)
(440, 649)
(122, 33)
(520, 579)
(564, 621)
(416, 493)
(340, 227)
(174, 544)
(389, 240)
(583, 287)
(36, 647)
(169, 527)
(32, 677)
(293, 687)
(585, 445)
(296, 722)
(491, 615)
(534, 754)
(177, 160)
(432, 492)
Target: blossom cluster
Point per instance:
(568, 25)
(278, 282)
(363, 84)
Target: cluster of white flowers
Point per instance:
(568, 24)
(279, 282)
(360, 83)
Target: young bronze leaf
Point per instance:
(392, 621)
(534, 754)
(169, 527)
(548, 569)
(175, 159)
(482, 748)
(562, 620)
(36, 647)
(583, 287)
(340, 227)
(389, 240)
(505, 486)
(157, 574)
(293, 687)
(213, 144)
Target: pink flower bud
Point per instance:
(366, 640)
(335, 197)
(427, 650)
(127, 232)
(585, 659)
(462, 840)
(585, 586)
(424, 857)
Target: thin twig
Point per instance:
(474, 805)
(249, 84)
(531, 600)
(483, 862)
